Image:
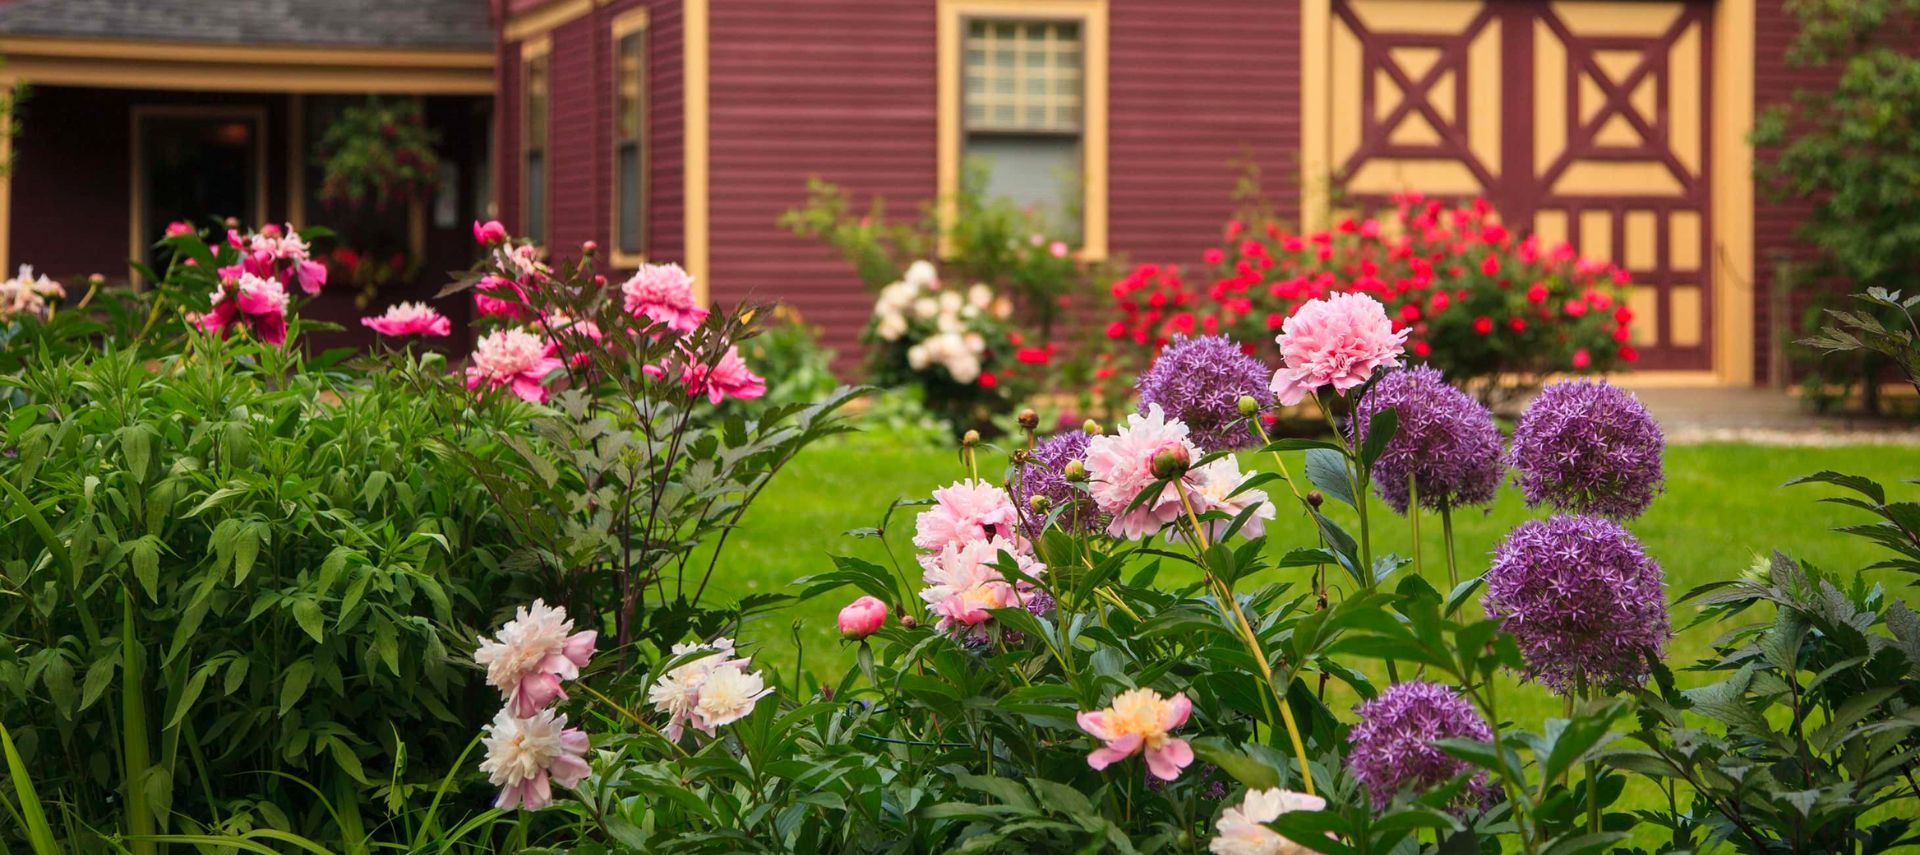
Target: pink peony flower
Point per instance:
(963, 583)
(963, 512)
(534, 653)
(496, 306)
(312, 276)
(1139, 721)
(680, 692)
(565, 333)
(527, 755)
(663, 293)
(1337, 340)
(257, 304)
(862, 617)
(489, 232)
(1120, 466)
(727, 378)
(409, 319)
(179, 228)
(514, 358)
(1243, 827)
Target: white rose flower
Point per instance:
(926, 307)
(980, 295)
(917, 357)
(922, 276)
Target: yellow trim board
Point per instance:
(694, 14)
(244, 68)
(543, 19)
(625, 24)
(1732, 191)
(1092, 15)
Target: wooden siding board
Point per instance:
(1776, 222)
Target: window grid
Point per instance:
(1023, 76)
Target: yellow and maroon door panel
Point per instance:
(1584, 121)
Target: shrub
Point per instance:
(1493, 311)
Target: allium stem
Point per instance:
(1252, 639)
(1446, 532)
(1413, 517)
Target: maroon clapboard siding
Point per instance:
(1775, 222)
(839, 89)
(1192, 89)
(845, 90)
(580, 130)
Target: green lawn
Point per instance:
(1724, 509)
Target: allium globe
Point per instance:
(1445, 442)
(1588, 447)
(1045, 475)
(1337, 341)
(1200, 382)
(1584, 601)
(1393, 743)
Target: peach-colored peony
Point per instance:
(1140, 721)
(533, 654)
(963, 583)
(514, 358)
(679, 692)
(1337, 341)
(1120, 466)
(663, 293)
(1243, 827)
(963, 512)
(409, 319)
(527, 755)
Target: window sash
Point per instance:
(1023, 75)
(630, 149)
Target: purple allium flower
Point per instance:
(1045, 475)
(1584, 601)
(1393, 743)
(1446, 441)
(1040, 603)
(1200, 382)
(1588, 447)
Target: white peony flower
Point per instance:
(926, 307)
(1216, 483)
(922, 276)
(1243, 828)
(524, 753)
(678, 692)
(727, 696)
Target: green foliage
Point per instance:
(798, 368)
(379, 153)
(1864, 331)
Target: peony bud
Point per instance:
(862, 617)
(1248, 406)
(1075, 471)
(589, 248)
(909, 621)
(1314, 498)
(489, 232)
(1029, 419)
(1090, 427)
(1171, 463)
(1040, 504)
(970, 439)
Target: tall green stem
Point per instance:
(1413, 517)
(1446, 532)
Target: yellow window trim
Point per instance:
(1731, 188)
(694, 136)
(137, 196)
(626, 24)
(530, 50)
(1092, 16)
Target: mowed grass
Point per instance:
(1724, 509)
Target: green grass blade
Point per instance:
(39, 833)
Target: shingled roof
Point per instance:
(445, 24)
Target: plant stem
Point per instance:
(1446, 532)
(1413, 517)
(1251, 638)
(1593, 774)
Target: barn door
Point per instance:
(1583, 121)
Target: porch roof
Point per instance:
(431, 24)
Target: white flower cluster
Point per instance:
(941, 323)
(708, 692)
(28, 293)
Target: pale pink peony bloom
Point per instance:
(964, 583)
(862, 617)
(727, 696)
(963, 512)
(1120, 466)
(678, 692)
(1140, 721)
(28, 294)
(1214, 491)
(663, 293)
(727, 378)
(1338, 341)
(514, 358)
(1243, 827)
(527, 755)
(409, 319)
(489, 232)
(534, 653)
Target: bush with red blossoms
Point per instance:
(1484, 305)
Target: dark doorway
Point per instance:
(194, 163)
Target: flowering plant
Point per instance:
(379, 152)
(1494, 311)
(957, 344)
